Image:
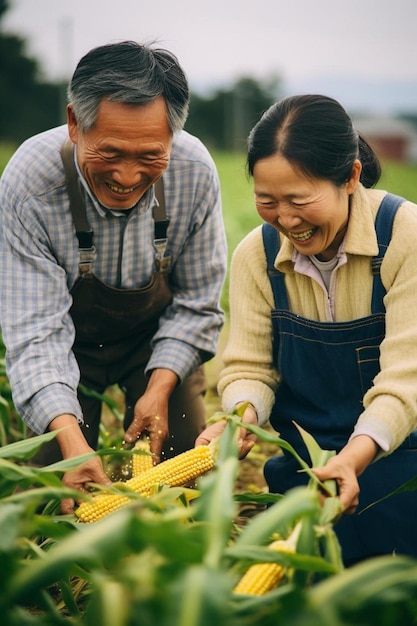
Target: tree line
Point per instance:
(29, 104)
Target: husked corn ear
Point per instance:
(141, 462)
(174, 472)
(263, 577)
(102, 505)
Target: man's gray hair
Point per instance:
(129, 73)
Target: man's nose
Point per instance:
(128, 174)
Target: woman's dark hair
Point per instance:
(130, 73)
(316, 134)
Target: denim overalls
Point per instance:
(326, 368)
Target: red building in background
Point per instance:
(391, 138)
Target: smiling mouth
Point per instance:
(120, 190)
(304, 236)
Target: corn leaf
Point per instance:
(303, 562)
(25, 449)
(327, 487)
(216, 506)
(298, 502)
(410, 485)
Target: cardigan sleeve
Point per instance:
(249, 374)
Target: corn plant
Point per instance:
(11, 426)
(176, 556)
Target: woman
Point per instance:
(323, 326)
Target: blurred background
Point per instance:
(239, 56)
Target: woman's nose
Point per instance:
(287, 218)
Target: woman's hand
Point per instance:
(345, 468)
(245, 441)
(347, 483)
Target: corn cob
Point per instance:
(141, 462)
(263, 577)
(174, 472)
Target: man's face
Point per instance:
(125, 152)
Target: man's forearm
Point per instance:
(70, 438)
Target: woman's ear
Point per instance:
(353, 181)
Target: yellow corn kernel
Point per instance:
(102, 505)
(263, 577)
(141, 462)
(179, 470)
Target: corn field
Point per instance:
(177, 555)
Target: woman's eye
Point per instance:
(265, 205)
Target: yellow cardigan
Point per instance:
(390, 406)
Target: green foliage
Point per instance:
(239, 212)
(400, 178)
(28, 104)
(173, 561)
(6, 151)
(31, 105)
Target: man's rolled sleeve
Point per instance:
(177, 356)
(50, 402)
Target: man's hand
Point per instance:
(89, 472)
(245, 441)
(151, 412)
(73, 443)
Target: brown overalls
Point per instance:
(114, 328)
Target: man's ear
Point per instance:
(72, 124)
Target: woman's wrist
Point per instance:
(359, 452)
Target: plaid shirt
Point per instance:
(39, 256)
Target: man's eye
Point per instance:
(109, 156)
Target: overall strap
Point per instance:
(383, 227)
(160, 241)
(83, 231)
(270, 237)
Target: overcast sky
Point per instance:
(338, 45)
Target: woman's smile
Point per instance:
(302, 236)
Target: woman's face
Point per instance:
(312, 212)
(125, 152)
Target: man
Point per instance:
(101, 282)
